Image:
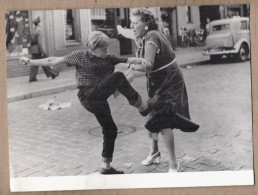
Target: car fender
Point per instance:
(239, 43)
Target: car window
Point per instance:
(244, 25)
(220, 27)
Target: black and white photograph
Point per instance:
(118, 98)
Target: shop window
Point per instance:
(104, 20)
(17, 33)
(165, 20)
(72, 27)
(189, 14)
(123, 20)
(244, 25)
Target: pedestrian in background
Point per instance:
(168, 104)
(96, 82)
(37, 52)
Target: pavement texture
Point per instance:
(68, 141)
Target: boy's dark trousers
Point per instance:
(95, 101)
(34, 69)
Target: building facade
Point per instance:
(67, 30)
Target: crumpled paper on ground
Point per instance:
(52, 105)
(128, 165)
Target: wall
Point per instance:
(54, 43)
(182, 15)
(85, 22)
(14, 68)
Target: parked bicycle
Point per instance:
(191, 37)
(184, 41)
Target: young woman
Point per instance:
(168, 104)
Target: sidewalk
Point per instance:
(68, 142)
(19, 88)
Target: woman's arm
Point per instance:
(50, 61)
(139, 64)
(149, 58)
(135, 60)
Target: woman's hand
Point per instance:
(138, 67)
(24, 60)
(144, 66)
(147, 64)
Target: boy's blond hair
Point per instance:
(97, 39)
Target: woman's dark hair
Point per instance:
(146, 16)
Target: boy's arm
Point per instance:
(50, 61)
(115, 60)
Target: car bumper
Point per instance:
(219, 52)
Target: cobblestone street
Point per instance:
(59, 143)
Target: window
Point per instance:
(189, 14)
(69, 25)
(72, 27)
(17, 33)
(221, 27)
(104, 20)
(244, 25)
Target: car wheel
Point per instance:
(215, 58)
(243, 53)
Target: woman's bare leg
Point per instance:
(168, 137)
(154, 147)
(154, 155)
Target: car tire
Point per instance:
(215, 58)
(242, 53)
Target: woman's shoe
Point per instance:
(174, 170)
(155, 158)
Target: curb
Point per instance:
(71, 87)
(195, 63)
(41, 93)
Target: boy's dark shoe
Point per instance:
(110, 171)
(146, 111)
(33, 80)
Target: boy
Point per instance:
(96, 82)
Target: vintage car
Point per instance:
(228, 37)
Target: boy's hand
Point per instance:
(129, 71)
(130, 77)
(24, 60)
